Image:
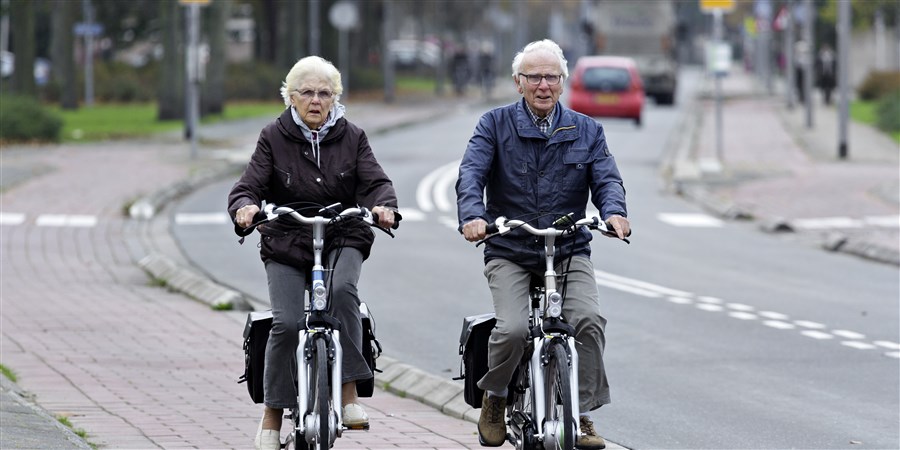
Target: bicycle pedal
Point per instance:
(357, 427)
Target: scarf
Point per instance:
(316, 136)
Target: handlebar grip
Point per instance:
(491, 228)
(397, 219)
(258, 219)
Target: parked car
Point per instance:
(607, 86)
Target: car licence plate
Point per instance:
(607, 99)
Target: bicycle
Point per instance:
(542, 404)
(317, 419)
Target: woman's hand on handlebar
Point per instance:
(475, 230)
(244, 215)
(620, 225)
(385, 216)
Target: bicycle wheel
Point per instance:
(323, 396)
(559, 425)
(295, 440)
(520, 410)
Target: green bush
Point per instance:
(878, 84)
(888, 112)
(119, 82)
(23, 119)
(253, 81)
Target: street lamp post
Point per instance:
(843, 32)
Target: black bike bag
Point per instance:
(256, 335)
(473, 347)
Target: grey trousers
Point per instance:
(286, 288)
(581, 308)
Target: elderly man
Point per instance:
(536, 158)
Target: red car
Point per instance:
(607, 86)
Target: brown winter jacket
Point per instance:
(283, 171)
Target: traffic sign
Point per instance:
(88, 29)
(709, 6)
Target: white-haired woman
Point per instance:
(311, 154)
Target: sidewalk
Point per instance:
(787, 177)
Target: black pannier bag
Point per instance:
(473, 347)
(371, 350)
(256, 335)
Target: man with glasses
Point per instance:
(537, 160)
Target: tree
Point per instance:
(22, 15)
(170, 92)
(212, 100)
(63, 52)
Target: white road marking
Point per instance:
(858, 345)
(743, 315)
(808, 324)
(826, 223)
(599, 274)
(689, 220)
(449, 222)
(424, 192)
(680, 300)
(711, 300)
(815, 334)
(65, 220)
(893, 354)
(11, 218)
(709, 307)
(216, 218)
(779, 324)
(888, 345)
(848, 334)
(413, 215)
(883, 221)
(773, 315)
(627, 288)
(740, 307)
(442, 200)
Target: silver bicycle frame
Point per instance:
(303, 386)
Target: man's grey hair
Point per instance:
(311, 66)
(545, 45)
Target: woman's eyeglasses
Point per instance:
(308, 94)
(535, 79)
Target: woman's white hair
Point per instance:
(545, 45)
(311, 66)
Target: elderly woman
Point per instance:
(311, 154)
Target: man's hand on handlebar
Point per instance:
(621, 226)
(475, 230)
(385, 216)
(244, 215)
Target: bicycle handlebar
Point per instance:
(563, 226)
(272, 212)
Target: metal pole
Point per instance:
(843, 32)
(314, 27)
(809, 13)
(789, 54)
(387, 60)
(717, 39)
(88, 11)
(193, 74)
(343, 55)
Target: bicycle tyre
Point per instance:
(323, 396)
(559, 395)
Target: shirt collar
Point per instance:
(545, 123)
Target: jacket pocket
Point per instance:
(576, 162)
(284, 176)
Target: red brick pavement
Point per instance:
(134, 365)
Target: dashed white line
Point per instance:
(689, 220)
(773, 315)
(743, 315)
(217, 218)
(888, 345)
(11, 218)
(709, 307)
(65, 220)
(680, 300)
(848, 334)
(815, 334)
(808, 324)
(779, 324)
(858, 345)
(740, 307)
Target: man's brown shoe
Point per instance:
(491, 426)
(589, 438)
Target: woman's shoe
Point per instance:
(355, 417)
(267, 439)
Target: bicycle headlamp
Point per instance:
(554, 305)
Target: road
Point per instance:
(719, 336)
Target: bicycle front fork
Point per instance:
(537, 384)
(304, 387)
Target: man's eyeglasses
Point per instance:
(535, 79)
(308, 94)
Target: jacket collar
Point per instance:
(289, 129)
(564, 128)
